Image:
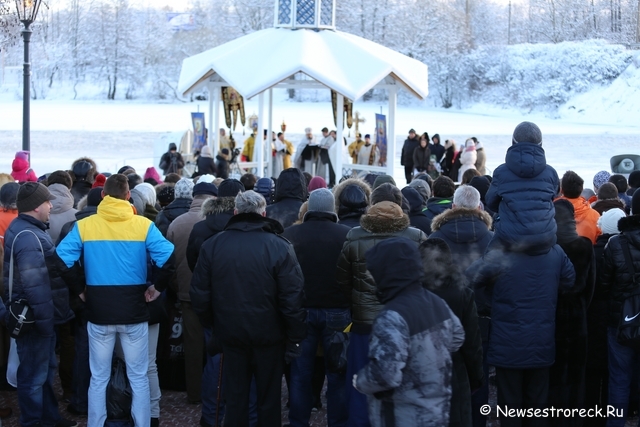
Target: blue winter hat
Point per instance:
(599, 179)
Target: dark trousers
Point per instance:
(66, 343)
(522, 389)
(596, 393)
(36, 398)
(408, 172)
(357, 358)
(81, 371)
(481, 396)
(193, 334)
(240, 365)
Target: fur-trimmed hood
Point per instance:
(456, 213)
(384, 217)
(629, 223)
(92, 172)
(337, 190)
(216, 206)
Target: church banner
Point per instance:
(381, 138)
(199, 138)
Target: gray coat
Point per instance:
(62, 210)
(408, 378)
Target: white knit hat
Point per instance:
(608, 222)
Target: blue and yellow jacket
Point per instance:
(114, 244)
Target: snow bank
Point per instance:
(618, 102)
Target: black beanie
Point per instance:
(94, 197)
(31, 195)
(481, 184)
(635, 203)
(230, 188)
(60, 177)
(634, 179)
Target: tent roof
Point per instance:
(348, 64)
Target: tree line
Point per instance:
(131, 52)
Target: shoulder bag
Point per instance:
(21, 318)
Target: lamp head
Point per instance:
(28, 10)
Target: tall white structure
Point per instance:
(348, 64)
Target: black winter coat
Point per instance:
(216, 212)
(417, 217)
(172, 211)
(435, 206)
(437, 149)
(354, 278)
(79, 189)
(317, 243)
(206, 165)
(616, 278)
(467, 362)
(566, 377)
(257, 300)
(421, 158)
(291, 192)
(466, 232)
(34, 278)
(171, 162)
(597, 313)
(222, 166)
(406, 158)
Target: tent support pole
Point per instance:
(270, 157)
(339, 138)
(391, 131)
(260, 136)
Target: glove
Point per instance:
(291, 352)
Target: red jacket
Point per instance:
(21, 171)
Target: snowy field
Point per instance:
(119, 133)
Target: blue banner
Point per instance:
(199, 138)
(381, 137)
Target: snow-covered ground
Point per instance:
(118, 133)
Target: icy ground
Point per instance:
(118, 133)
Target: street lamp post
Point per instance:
(27, 13)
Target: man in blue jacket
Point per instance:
(115, 244)
(31, 246)
(524, 294)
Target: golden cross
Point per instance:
(357, 121)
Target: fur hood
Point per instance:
(92, 172)
(455, 213)
(384, 217)
(629, 223)
(337, 190)
(216, 206)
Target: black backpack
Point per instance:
(629, 325)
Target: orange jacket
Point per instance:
(6, 216)
(586, 218)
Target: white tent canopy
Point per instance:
(347, 64)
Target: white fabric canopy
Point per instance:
(348, 64)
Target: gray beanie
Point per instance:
(422, 187)
(322, 200)
(527, 132)
(183, 189)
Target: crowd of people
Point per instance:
(408, 302)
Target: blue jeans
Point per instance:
(357, 358)
(135, 345)
(321, 324)
(36, 398)
(81, 371)
(621, 366)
